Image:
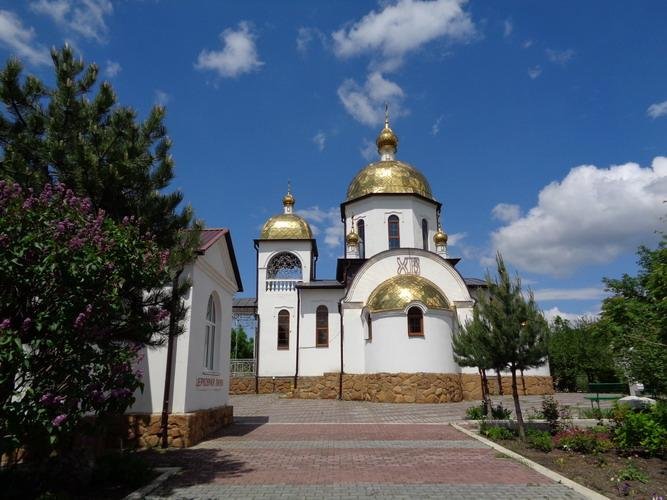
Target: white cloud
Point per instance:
(534, 72)
(590, 293)
(527, 44)
(550, 315)
(238, 54)
(403, 27)
(506, 212)
(657, 109)
(590, 217)
(455, 238)
(112, 68)
(320, 140)
(435, 128)
(508, 27)
(161, 97)
(561, 57)
(81, 17)
(368, 150)
(366, 104)
(20, 40)
(325, 222)
(305, 37)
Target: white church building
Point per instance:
(382, 329)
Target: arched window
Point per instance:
(283, 329)
(415, 322)
(282, 272)
(322, 326)
(425, 234)
(394, 232)
(209, 337)
(361, 230)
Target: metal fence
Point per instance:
(242, 367)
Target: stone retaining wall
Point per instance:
(184, 430)
(390, 387)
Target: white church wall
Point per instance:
(274, 362)
(354, 338)
(315, 360)
(375, 210)
(393, 351)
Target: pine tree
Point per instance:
(77, 134)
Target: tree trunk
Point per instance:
(500, 382)
(517, 405)
(523, 382)
(485, 391)
(485, 383)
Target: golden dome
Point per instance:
(440, 237)
(396, 293)
(388, 176)
(286, 227)
(352, 238)
(288, 199)
(387, 138)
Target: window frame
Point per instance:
(361, 231)
(319, 328)
(394, 241)
(209, 335)
(425, 233)
(414, 312)
(281, 318)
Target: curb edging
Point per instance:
(165, 473)
(582, 490)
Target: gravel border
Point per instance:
(165, 473)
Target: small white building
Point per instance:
(199, 396)
(393, 307)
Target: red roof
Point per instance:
(210, 236)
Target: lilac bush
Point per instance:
(80, 294)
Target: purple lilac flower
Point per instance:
(46, 398)
(27, 323)
(59, 420)
(5, 324)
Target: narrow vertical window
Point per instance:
(369, 322)
(283, 329)
(209, 337)
(361, 230)
(322, 326)
(415, 322)
(425, 234)
(394, 232)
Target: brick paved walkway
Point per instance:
(332, 449)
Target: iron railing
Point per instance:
(242, 367)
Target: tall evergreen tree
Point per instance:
(512, 328)
(76, 133)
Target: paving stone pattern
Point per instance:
(330, 449)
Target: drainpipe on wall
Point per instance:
(170, 359)
(298, 316)
(340, 378)
(258, 319)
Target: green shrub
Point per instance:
(476, 412)
(540, 440)
(500, 413)
(597, 413)
(632, 473)
(550, 410)
(642, 431)
(582, 441)
(496, 433)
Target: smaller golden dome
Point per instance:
(387, 138)
(352, 238)
(288, 199)
(440, 237)
(286, 227)
(396, 293)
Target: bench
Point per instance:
(606, 391)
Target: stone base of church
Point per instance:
(142, 430)
(390, 387)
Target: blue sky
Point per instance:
(540, 125)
